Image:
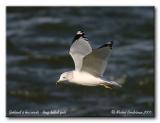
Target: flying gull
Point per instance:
(90, 64)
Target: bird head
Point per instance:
(65, 76)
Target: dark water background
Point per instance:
(38, 41)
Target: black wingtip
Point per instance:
(108, 44)
(79, 34)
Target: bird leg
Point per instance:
(106, 86)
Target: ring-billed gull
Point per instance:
(89, 64)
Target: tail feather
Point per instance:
(115, 84)
(119, 82)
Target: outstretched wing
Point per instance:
(79, 49)
(95, 63)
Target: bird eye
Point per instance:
(64, 77)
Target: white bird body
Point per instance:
(89, 64)
(84, 78)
